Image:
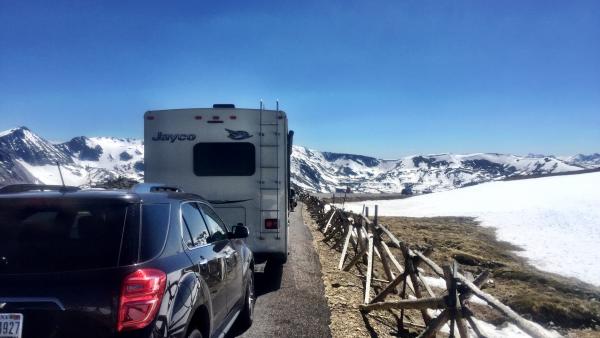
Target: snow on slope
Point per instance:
(23, 143)
(556, 220)
(324, 172)
(123, 156)
(587, 161)
(48, 173)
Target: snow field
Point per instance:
(555, 220)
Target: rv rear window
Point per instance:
(224, 159)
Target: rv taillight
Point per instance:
(233, 117)
(198, 117)
(271, 223)
(149, 117)
(141, 294)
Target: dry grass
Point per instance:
(568, 305)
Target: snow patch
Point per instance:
(554, 219)
(48, 174)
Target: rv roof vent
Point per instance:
(223, 105)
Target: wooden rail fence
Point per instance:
(362, 240)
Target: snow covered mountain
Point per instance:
(587, 161)
(27, 157)
(324, 172)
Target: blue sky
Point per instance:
(383, 78)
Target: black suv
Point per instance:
(149, 262)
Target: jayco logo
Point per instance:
(173, 137)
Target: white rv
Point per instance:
(238, 159)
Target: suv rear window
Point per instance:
(155, 223)
(46, 235)
(224, 159)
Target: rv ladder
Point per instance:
(267, 126)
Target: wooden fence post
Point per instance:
(346, 243)
(329, 222)
(369, 269)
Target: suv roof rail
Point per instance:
(17, 188)
(155, 187)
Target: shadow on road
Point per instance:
(267, 279)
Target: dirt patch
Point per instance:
(568, 305)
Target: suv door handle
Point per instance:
(203, 263)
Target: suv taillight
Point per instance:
(141, 294)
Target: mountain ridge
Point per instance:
(86, 161)
(420, 173)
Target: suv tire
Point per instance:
(247, 314)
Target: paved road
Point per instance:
(290, 299)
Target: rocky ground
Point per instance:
(567, 305)
(344, 292)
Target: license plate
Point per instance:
(11, 325)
